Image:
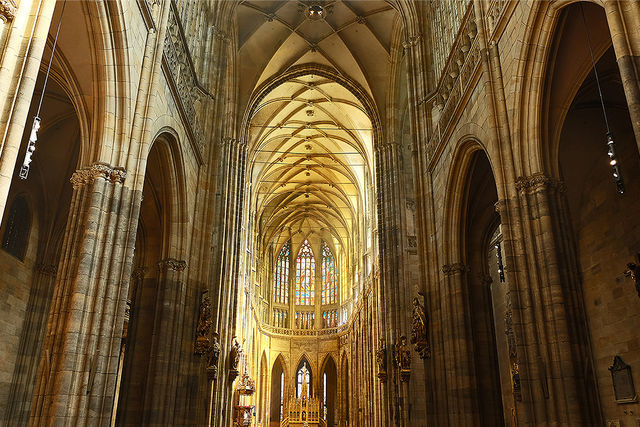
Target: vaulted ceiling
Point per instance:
(310, 135)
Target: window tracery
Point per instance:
(329, 278)
(305, 272)
(281, 275)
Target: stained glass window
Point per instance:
(330, 319)
(329, 282)
(281, 275)
(305, 272)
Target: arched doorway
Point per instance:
(145, 337)
(278, 392)
(486, 291)
(329, 388)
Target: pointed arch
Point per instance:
(281, 274)
(278, 389)
(300, 376)
(329, 389)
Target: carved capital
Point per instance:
(47, 269)
(500, 206)
(89, 174)
(7, 11)
(455, 268)
(411, 41)
(536, 182)
(138, 273)
(172, 264)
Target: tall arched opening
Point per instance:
(278, 392)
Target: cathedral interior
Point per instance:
(325, 213)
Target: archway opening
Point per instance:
(486, 296)
(145, 299)
(329, 390)
(278, 391)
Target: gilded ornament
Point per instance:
(420, 330)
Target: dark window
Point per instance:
(17, 226)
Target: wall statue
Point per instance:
(420, 330)
(202, 343)
(633, 272)
(236, 354)
(381, 360)
(402, 358)
(213, 357)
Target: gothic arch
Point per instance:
(530, 156)
(453, 215)
(167, 147)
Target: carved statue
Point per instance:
(402, 356)
(381, 359)
(202, 343)
(633, 272)
(214, 356)
(420, 330)
(236, 353)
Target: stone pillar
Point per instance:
(24, 376)
(164, 363)
(79, 363)
(27, 36)
(623, 23)
(557, 342)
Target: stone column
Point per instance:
(18, 73)
(624, 23)
(164, 363)
(79, 363)
(559, 349)
(24, 376)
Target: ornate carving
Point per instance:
(402, 359)
(47, 269)
(513, 353)
(381, 360)
(633, 272)
(182, 74)
(538, 181)
(235, 354)
(246, 386)
(420, 329)
(172, 264)
(89, 174)
(455, 268)
(138, 273)
(213, 355)
(202, 343)
(127, 318)
(515, 382)
(7, 11)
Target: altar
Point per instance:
(303, 411)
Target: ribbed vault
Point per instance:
(312, 144)
(315, 76)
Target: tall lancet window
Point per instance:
(329, 281)
(305, 272)
(281, 275)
